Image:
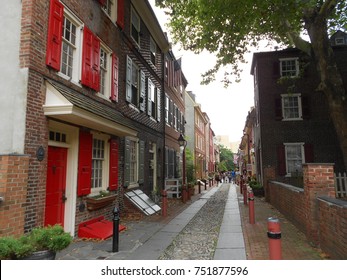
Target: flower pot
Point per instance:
(100, 202)
(259, 192)
(41, 255)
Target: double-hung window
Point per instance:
(295, 157)
(153, 108)
(70, 47)
(135, 26)
(291, 106)
(100, 152)
(289, 67)
(136, 88)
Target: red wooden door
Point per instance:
(56, 186)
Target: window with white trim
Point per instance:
(291, 106)
(340, 41)
(167, 109)
(289, 67)
(295, 157)
(108, 8)
(152, 99)
(100, 158)
(105, 71)
(133, 78)
(71, 47)
(135, 26)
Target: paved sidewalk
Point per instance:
(293, 242)
(148, 238)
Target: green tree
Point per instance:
(190, 170)
(226, 158)
(230, 28)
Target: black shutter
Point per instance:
(278, 109)
(281, 160)
(309, 156)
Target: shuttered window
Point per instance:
(56, 17)
(64, 42)
(91, 60)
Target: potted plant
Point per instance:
(101, 200)
(191, 188)
(257, 188)
(40, 243)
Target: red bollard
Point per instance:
(251, 208)
(274, 235)
(164, 203)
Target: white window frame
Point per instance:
(105, 163)
(136, 26)
(167, 109)
(340, 41)
(287, 146)
(108, 72)
(152, 99)
(299, 109)
(110, 9)
(77, 48)
(290, 71)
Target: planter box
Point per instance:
(258, 192)
(101, 202)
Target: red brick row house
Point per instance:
(292, 125)
(88, 83)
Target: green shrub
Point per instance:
(255, 184)
(51, 238)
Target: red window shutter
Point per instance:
(87, 57)
(114, 85)
(113, 180)
(120, 13)
(84, 163)
(54, 39)
(90, 60)
(281, 160)
(96, 64)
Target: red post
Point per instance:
(164, 203)
(251, 208)
(274, 235)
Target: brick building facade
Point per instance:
(86, 81)
(292, 124)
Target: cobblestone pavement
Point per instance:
(199, 238)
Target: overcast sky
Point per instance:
(226, 108)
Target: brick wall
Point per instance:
(333, 227)
(314, 209)
(13, 189)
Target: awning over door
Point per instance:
(66, 104)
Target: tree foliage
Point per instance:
(226, 158)
(231, 28)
